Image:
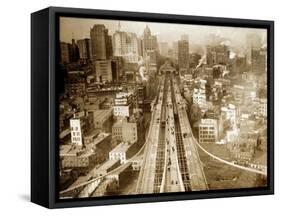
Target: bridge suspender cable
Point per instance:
(231, 164)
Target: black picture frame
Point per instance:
(44, 109)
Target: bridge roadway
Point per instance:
(172, 176)
(145, 183)
(197, 179)
(160, 170)
(161, 148)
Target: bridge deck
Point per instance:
(173, 180)
(195, 169)
(147, 174)
(161, 148)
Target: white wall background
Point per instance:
(15, 106)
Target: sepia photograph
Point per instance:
(152, 108)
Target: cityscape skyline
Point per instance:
(79, 28)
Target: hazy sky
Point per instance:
(80, 28)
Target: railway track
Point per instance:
(160, 157)
(182, 160)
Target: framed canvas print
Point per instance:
(138, 107)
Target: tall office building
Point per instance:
(176, 51)
(73, 51)
(64, 53)
(126, 45)
(150, 50)
(85, 49)
(218, 54)
(258, 60)
(253, 41)
(183, 56)
(149, 40)
(109, 47)
(101, 42)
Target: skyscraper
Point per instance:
(101, 42)
(64, 53)
(253, 41)
(73, 51)
(176, 51)
(218, 54)
(85, 49)
(149, 40)
(150, 48)
(258, 60)
(183, 56)
(109, 47)
(126, 44)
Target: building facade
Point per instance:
(253, 41)
(258, 61)
(103, 70)
(80, 160)
(262, 107)
(76, 132)
(125, 44)
(217, 55)
(150, 47)
(85, 48)
(208, 131)
(101, 42)
(64, 53)
(120, 152)
(123, 104)
(231, 113)
(75, 83)
(149, 40)
(183, 56)
(199, 97)
(103, 119)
